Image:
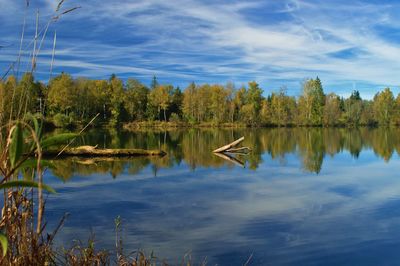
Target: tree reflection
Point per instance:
(311, 147)
(193, 147)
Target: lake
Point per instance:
(305, 196)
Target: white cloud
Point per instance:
(205, 38)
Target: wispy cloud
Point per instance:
(275, 43)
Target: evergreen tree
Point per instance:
(154, 83)
(176, 102)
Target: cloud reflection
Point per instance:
(346, 214)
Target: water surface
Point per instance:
(304, 197)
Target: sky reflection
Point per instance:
(279, 212)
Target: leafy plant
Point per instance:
(22, 170)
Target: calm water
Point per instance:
(304, 197)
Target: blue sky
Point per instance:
(348, 44)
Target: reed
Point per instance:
(24, 236)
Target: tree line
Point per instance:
(67, 101)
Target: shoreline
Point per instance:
(139, 125)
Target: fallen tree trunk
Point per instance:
(91, 151)
(229, 146)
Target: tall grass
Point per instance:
(24, 237)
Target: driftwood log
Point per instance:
(231, 147)
(92, 151)
(225, 151)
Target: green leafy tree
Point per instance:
(161, 97)
(28, 94)
(6, 94)
(353, 109)
(99, 92)
(266, 112)
(282, 108)
(384, 106)
(84, 101)
(152, 110)
(136, 98)
(230, 90)
(367, 114)
(239, 100)
(189, 102)
(62, 94)
(116, 92)
(312, 102)
(332, 110)
(396, 115)
(253, 99)
(218, 103)
(202, 103)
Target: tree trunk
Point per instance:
(229, 146)
(92, 151)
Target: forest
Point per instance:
(68, 102)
